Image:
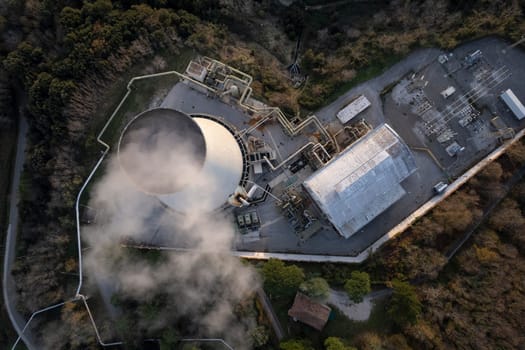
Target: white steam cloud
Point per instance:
(202, 287)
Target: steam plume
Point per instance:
(203, 286)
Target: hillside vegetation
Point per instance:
(66, 58)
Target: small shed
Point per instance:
(309, 312)
(353, 109)
(196, 71)
(448, 92)
(513, 103)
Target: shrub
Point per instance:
(358, 286)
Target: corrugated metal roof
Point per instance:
(362, 181)
(514, 104)
(353, 108)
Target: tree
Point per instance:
(457, 212)
(281, 280)
(3, 22)
(293, 20)
(260, 336)
(421, 262)
(518, 193)
(405, 306)
(333, 343)
(369, 341)
(516, 153)
(76, 320)
(358, 286)
(396, 342)
(22, 62)
(169, 339)
(315, 287)
(296, 344)
(98, 9)
(313, 62)
(507, 218)
(70, 18)
(491, 173)
(426, 230)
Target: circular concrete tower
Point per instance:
(188, 163)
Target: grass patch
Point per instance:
(144, 93)
(175, 62)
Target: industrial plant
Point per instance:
(330, 183)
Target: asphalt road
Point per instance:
(8, 283)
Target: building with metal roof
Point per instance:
(513, 103)
(362, 181)
(351, 110)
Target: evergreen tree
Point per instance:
(358, 286)
(281, 280)
(405, 306)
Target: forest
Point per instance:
(61, 61)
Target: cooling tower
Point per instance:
(188, 163)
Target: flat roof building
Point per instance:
(353, 109)
(448, 92)
(362, 181)
(513, 103)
